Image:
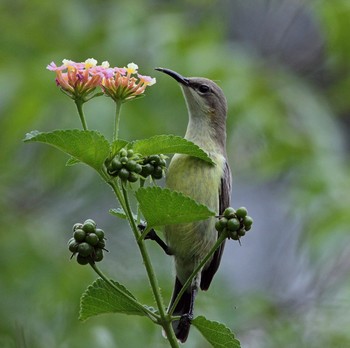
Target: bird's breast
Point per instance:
(200, 180)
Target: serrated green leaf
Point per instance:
(118, 145)
(217, 334)
(101, 298)
(168, 144)
(89, 147)
(72, 161)
(165, 207)
(120, 213)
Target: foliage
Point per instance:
(288, 134)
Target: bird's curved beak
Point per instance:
(179, 78)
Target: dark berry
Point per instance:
(82, 260)
(98, 255)
(79, 235)
(133, 177)
(89, 226)
(234, 235)
(154, 159)
(241, 232)
(157, 173)
(123, 174)
(138, 168)
(131, 165)
(147, 169)
(85, 249)
(73, 245)
(92, 239)
(100, 233)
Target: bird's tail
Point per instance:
(184, 309)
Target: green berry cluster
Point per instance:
(125, 165)
(130, 166)
(153, 166)
(88, 242)
(234, 222)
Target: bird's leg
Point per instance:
(152, 235)
(186, 319)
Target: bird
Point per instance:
(206, 183)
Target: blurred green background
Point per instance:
(285, 69)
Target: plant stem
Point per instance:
(165, 319)
(118, 106)
(149, 313)
(188, 282)
(79, 104)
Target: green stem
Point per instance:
(165, 318)
(149, 313)
(118, 106)
(188, 282)
(79, 103)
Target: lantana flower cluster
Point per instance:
(80, 80)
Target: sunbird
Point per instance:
(208, 184)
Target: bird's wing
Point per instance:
(224, 202)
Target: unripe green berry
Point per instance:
(124, 160)
(73, 245)
(229, 213)
(89, 227)
(241, 232)
(123, 174)
(233, 224)
(154, 159)
(98, 255)
(77, 225)
(247, 221)
(157, 173)
(90, 221)
(223, 222)
(115, 165)
(100, 233)
(234, 235)
(82, 260)
(138, 168)
(247, 228)
(131, 165)
(92, 239)
(133, 177)
(123, 153)
(241, 212)
(130, 153)
(218, 226)
(85, 249)
(79, 235)
(147, 169)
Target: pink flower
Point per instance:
(125, 84)
(77, 80)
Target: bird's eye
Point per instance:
(203, 88)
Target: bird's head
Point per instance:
(206, 104)
(202, 95)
